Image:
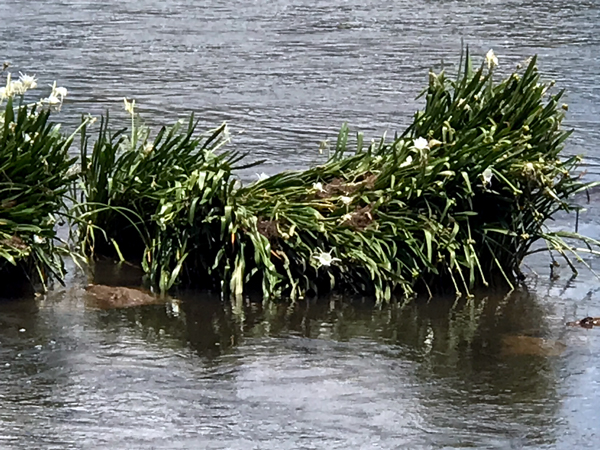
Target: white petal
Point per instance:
(60, 92)
(407, 161)
(421, 143)
(52, 100)
(487, 176)
(346, 200)
(262, 176)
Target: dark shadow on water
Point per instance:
(105, 271)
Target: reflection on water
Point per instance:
(332, 373)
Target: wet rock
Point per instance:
(110, 297)
(529, 345)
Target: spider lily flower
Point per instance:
(491, 59)
(346, 200)
(52, 100)
(147, 149)
(6, 91)
(129, 106)
(487, 176)
(60, 92)
(420, 143)
(262, 176)
(28, 81)
(17, 88)
(325, 259)
(318, 187)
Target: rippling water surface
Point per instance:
(493, 372)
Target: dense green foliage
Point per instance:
(457, 200)
(460, 197)
(154, 201)
(34, 178)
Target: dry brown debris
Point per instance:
(360, 218)
(268, 228)
(339, 186)
(14, 242)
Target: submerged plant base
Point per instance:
(20, 281)
(453, 203)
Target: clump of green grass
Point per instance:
(155, 200)
(456, 200)
(35, 176)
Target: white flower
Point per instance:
(17, 88)
(487, 176)
(323, 145)
(262, 176)
(325, 259)
(37, 239)
(147, 149)
(29, 82)
(491, 59)
(3, 93)
(7, 90)
(52, 100)
(129, 106)
(346, 217)
(420, 143)
(407, 161)
(60, 92)
(346, 200)
(529, 170)
(318, 187)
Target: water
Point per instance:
(491, 373)
(328, 374)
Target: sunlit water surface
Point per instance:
(495, 372)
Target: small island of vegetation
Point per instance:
(456, 201)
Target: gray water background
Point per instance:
(337, 373)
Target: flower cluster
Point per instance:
(17, 87)
(25, 83)
(56, 97)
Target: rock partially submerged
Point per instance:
(533, 346)
(110, 297)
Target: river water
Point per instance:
(494, 372)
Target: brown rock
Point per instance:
(110, 297)
(529, 345)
